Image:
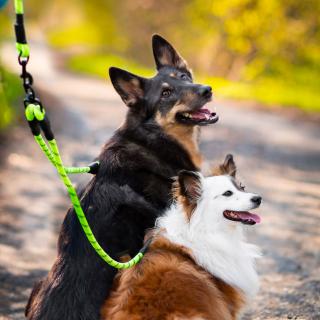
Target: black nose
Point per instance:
(205, 91)
(256, 200)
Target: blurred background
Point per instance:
(261, 50)
(262, 58)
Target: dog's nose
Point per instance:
(205, 91)
(256, 200)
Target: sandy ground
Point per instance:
(277, 156)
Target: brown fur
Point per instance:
(187, 136)
(168, 285)
(169, 59)
(187, 191)
(228, 167)
(187, 206)
(132, 89)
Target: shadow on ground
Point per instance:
(277, 156)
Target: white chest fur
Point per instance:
(223, 252)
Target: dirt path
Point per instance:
(276, 156)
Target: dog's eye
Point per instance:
(166, 93)
(184, 77)
(228, 193)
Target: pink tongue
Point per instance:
(249, 216)
(201, 114)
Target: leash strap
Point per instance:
(21, 39)
(39, 122)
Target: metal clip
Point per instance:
(26, 77)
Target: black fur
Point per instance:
(131, 189)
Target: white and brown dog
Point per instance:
(199, 265)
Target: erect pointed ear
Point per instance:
(166, 55)
(190, 185)
(228, 167)
(129, 86)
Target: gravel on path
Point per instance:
(277, 156)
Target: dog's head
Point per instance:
(170, 97)
(217, 201)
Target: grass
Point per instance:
(10, 90)
(268, 91)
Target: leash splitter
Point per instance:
(39, 122)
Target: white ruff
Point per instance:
(218, 245)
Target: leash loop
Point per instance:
(38, 121)
(23, 60)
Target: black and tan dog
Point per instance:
(132, 187)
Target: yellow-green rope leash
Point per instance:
(21, 43)
(38, 120)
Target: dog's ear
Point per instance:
(129, 86)
(190, 186)
(166, 55)
(228, 167)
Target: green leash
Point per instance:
(38, 121)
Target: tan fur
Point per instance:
(169, 285)
(187, 206)
(191, 194)
(228, 167)
(132, 88)
(187, 136)
(177, 61)
(125, 258)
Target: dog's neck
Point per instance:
(188, 137)
(224, 253)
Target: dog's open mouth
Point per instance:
(242, 216)
(199, 117)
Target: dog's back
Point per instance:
(168, 284)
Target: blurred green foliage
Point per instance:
(10, 91)
(96, 64)
(267, 90)
(265, 50)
